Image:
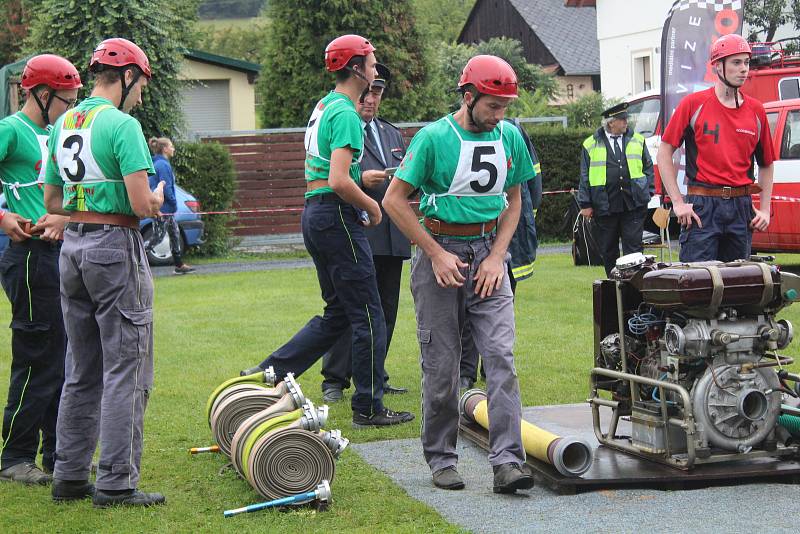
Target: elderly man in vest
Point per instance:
(616, 184)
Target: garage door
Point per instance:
(207, 105)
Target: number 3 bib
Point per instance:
(76, 163)
(481, 169)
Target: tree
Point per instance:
(14, 15)
(536, 86)
(442, 20)
(162, 30)
(293, 77)
(240, 42)
(766, 16)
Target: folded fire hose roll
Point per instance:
(288, 461)
(266, 379)
(278, 415)
(570, 456)
(238, 403)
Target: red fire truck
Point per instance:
(775, 80)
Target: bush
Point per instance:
(559, 152)
(206, 171)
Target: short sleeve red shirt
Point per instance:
(721, 143)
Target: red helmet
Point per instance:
(490, 75)
(342, 49)
(53, 71)
(118, 52)
(729, 45)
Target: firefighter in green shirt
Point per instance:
(99, 162)
(468, 166)
(29, 272)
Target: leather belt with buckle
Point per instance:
(438, 227)
(724, 192)
(113, 219)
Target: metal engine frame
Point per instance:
(680, 456)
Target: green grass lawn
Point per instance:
(208, 327)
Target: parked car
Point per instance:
(189, 222)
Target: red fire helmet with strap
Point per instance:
(491, 76)
(53, 71)
(118, 53)
(343, 49)
(729, 45)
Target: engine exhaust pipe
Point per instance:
(570, 456)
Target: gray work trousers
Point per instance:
(441, 314)
(107, 300)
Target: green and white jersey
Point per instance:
(463, 175)
(92, 148)
(23, 153)
(334, 123)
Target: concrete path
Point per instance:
(740, 508)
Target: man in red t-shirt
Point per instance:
(724, 131)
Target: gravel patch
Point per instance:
(477, 509)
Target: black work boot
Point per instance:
(251, 371)
(132, 497)
(448, 478)
(385, 417)
(71, 490)
(510, 477)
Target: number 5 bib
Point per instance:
(481, 169)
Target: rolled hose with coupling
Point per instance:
(570, 456)
(265, 379)
(288, 461)
(283, 413)
(239, 403)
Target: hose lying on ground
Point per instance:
(570, 456)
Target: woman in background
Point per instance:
(163, 150)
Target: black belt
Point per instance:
(34, 243)
(90, 227)
(325, 197)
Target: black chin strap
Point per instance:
(357, 74)
(724, 80)
(126, 89)
(45, 108)
(476, 96)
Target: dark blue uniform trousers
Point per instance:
(29, 272)
(341, 253)
(726, 233)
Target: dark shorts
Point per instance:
(726, 233)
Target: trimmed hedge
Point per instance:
(559, 152)
(206, 171)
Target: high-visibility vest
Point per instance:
(598, 157)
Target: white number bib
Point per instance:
(482, 169)
(42, 140)
(311, 139)
(76, 163)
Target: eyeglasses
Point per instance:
(70, 103)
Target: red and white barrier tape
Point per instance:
(278, 211)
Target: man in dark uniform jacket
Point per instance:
(616, 184)
(384, 149)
